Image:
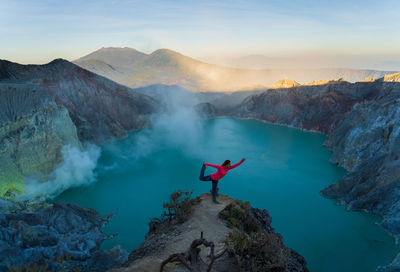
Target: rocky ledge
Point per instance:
(231, 236)
(50, 237)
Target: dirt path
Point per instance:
(204, 219)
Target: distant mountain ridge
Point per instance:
(135, 69)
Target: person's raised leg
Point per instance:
(214, 191)
(203, 168)
(202, 177)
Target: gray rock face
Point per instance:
(43, 234)
(367, 142)
(33, 129)
(315, 107)
(206, 110)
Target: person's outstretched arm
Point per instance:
(237, 164)
(212, 165)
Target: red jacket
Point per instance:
(221, 170)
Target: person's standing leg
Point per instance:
(214, 191)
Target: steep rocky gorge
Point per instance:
(362, 124)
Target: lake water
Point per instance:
(284, 173)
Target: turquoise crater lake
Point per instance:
(284, 172)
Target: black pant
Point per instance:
(208, 178)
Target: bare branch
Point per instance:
(191, 259)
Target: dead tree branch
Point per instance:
(191, 259)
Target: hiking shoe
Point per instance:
(216, 202)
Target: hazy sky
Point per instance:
(362, 34)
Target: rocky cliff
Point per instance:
(45, 107)
(314, 107)
(362, 124)
(33, 129)
(317, 106)
(367, 142)
(240, 235)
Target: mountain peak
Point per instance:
(115, 56)
(166, 57)
(105, 49)
(284, 83)
(58, 61)
(166, 51)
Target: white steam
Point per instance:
(76, 169)
(179, 127)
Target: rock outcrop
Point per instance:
(214, 221)
(392, 78)
(33, 129)
(284, 83)
(52, 236)
(367, 79)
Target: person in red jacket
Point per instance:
(222, 170)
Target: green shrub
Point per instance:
(258, 251)
(177, 210)
(237, 215)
